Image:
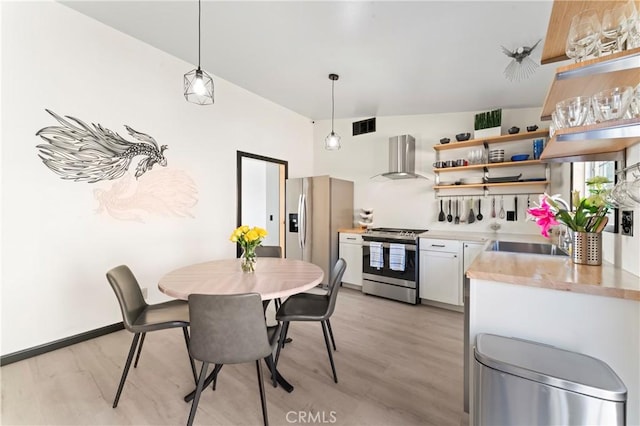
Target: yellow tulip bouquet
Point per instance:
(249, 239)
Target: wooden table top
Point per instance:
(273, 278)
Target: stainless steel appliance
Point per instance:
(402, 158)
(316, 207)
(381, 279)
(528, 383)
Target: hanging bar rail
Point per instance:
(631, 167)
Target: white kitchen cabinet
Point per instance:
(469, 252)
(440, 271)
(351, 252)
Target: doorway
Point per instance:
(261, 196)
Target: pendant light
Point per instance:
(332, 142)
(198, 85)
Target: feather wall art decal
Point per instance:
(162, 192)
(82, 153)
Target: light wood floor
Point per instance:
(397, 364)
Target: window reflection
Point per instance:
(581, 172)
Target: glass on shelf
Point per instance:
(584, 32)
(613, 32)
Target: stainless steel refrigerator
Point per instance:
(316, 207)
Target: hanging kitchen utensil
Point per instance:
(526, 212)
(457, 218)
(479, 209)
(515, 208)
(472, 216)
(449, 216)
(501, 215)
(493, 207)
(463, 214)
(441, 215)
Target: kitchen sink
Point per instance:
(531, 248)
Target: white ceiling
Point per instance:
(393, 58)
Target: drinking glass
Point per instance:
(583, 35)
(573, 111)
(633, 25)
(613, 34)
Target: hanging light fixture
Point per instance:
(198, 85)
(332, 142)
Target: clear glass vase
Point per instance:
(248, 261)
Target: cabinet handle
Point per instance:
(350, 238)
(437, 245)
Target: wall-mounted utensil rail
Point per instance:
(630, 168)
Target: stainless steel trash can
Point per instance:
(519, 382)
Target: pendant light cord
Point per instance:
(199, 19)
(332, 103)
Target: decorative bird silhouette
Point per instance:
(83, 153)
(522, 66)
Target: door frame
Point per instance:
(284, 175)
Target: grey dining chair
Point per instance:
(230, 329)
(139, 317)
(269, 251)
(313, 307)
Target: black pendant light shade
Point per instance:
(332, 141)
(198, 85)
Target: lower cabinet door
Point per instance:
(352, 254)
(440, 277)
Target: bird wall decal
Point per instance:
(83, 153)
(521, 66)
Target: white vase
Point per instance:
(487, 133)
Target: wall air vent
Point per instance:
(364, 126)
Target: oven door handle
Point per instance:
(407, 247)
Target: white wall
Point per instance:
(55, 247)
(254, 192)
(411, 203)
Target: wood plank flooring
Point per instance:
(397, 364)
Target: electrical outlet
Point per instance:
(627, 223)
(145, 292)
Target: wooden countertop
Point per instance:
(556, 273)
(352, 230)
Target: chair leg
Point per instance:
(272, 369)
(132, 350)
(216, 370)
(331, 335)
(193, 365)
(283, 335)
(326, 341)
(263, 399)
(135, 364)
(196, 399)
(278, 303)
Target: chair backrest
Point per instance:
(334, 284)
(127, 290)
(269, 251)
(227, 329)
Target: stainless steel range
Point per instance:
(389, 263)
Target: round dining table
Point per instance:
(273, 278)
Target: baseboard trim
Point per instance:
(58, 344)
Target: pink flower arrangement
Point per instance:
(544, 216)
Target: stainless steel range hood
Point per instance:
(402, 158)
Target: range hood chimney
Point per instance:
(402, 158)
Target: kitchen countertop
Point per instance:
(482, 237)
(352, 230)
(556, 273)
